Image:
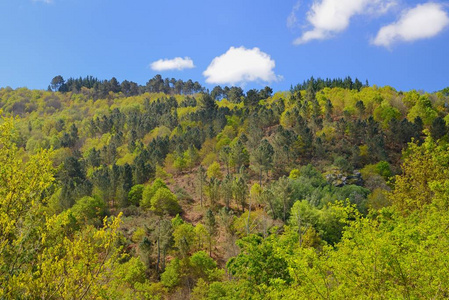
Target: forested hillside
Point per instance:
(334, 189)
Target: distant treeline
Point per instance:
(177, 86)
(319, 84)
(129, 88)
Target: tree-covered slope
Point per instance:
(296, 194)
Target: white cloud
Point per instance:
(423, 21)
(329, 17)
(241, 65)
(177, 63)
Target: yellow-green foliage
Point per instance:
(230, 105)
(278, 96)
(89, 209)
(258, 222)
(399, 252)
(340, 98)
(97, 142)
(127, 158)
(44, 255)
(384, 113)
(138, 235)
(328, 133)
(287, 119)
(150, 190)
(161, 173)
(221, 142)
(207, 152)
(176, 132)
(229, 132)
(378, 199)
(161, 131)
(200, 237)
(183, 111)
(214, 170)
(425, 172)
(180, 163)
(423, 108)
(159, 199)
(411, 98)
(255, 191)
(295, 173)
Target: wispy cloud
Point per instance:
(421, 22)
(44, 1)
(292, 19)
(177, 63)
(329, 17)
(241, 65)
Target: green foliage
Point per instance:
(109, 138)
(138, 235)
(423, 109)
(259, 263)
(192, 156)
(89, 209)
(262, 158)
(44, 255)
(184, 237)
(240, 191)
(200, 290)
(202, 266)
(304, 214)
(383, 169)
(171, 276)
(180, 162)
(176, 221)
(161, 173)
(438, 129)
(159, 199)
(165, 202)
(214, 171)
(239, 154)
(254, 222)
(131, 272)
(211, 228)
(396, 253)
(135, 194)
(342, 164)
(150, 190)
(384, 113)
(424, 168)
(198, 267)
(328, 222)
(294, 174)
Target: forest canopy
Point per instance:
(334, 189)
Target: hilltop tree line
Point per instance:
(129, 88)
(319, 84)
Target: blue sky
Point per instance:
(252, 44)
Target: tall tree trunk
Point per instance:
(201, 191)
(210, 246)
(164, 254)
(249, 213)
(299, 229)
(158, 246)
(285, 208)
(272, 208)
